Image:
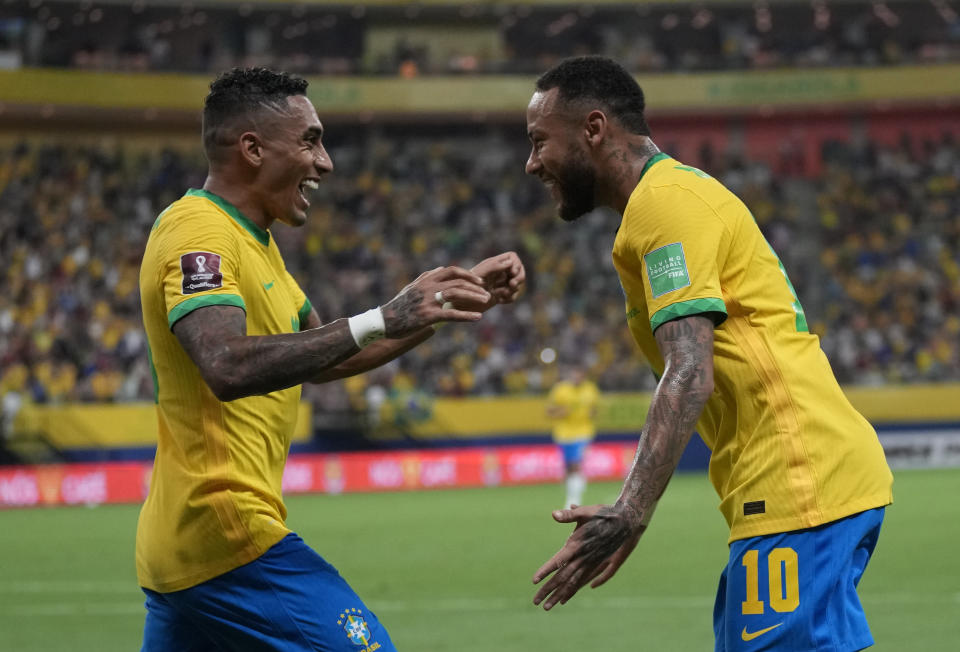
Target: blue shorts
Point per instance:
(573, 451)
(797, 591)
(287, 600)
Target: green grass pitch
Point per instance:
(450, 570)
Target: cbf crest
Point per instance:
(357, 629)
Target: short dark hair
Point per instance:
(236, 95)
(602, 80)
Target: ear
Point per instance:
(251, 148)
(595, 127)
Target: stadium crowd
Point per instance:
(469, 38)
(890, 235)
(884, 294)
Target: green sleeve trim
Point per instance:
(304, 312)
(181, 310)
(688, 308)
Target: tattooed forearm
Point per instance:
(235, 365)
(400, 315)
(374, 355)
(687, 348)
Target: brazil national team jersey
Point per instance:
(789, 451)
(580, 401)
(214, 501)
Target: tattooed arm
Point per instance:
(235, 365)
(606, 535)
(374, 355)
(687, 348)
(503, 277)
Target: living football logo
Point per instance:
(201, 271)
(357, 629)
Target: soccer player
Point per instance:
(801, 476)
(232, 337)
(572, 405)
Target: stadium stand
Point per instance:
(863, 209)
(74, 220)
(475, 38)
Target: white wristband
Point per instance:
(367, 327)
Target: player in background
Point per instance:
(572, 406)
(801, 476)
(232, 337)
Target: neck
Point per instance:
(626, 161)
(238, 195)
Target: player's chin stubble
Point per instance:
(577, 181)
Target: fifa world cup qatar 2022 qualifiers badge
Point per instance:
(201, 272)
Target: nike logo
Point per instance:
(267, 286)
(749, 636)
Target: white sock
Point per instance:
(576, 483)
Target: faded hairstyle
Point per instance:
(236, 98)
(597, 79)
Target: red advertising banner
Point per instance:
(74, 484)
(128, 482)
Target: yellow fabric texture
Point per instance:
(215, 500)
(789, 450)
(580, 401)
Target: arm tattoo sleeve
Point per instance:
(687, 348)
(235, 365)
(373, 355)
(400, 313)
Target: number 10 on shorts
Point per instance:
(783, 584)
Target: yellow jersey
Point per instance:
(214, 502)
(788, 450)
(580, 402)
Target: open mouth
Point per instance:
(305, 185)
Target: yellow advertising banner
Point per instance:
(626, 413)
(85, 425)
(366, 96)
(135, 424)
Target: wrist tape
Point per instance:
(367, 327)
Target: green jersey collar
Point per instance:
(659, 156)
(262, 235)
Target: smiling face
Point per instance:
(292, 162)
(558, 158)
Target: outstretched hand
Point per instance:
(442, 294)
(503, 276)
(603, 538)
